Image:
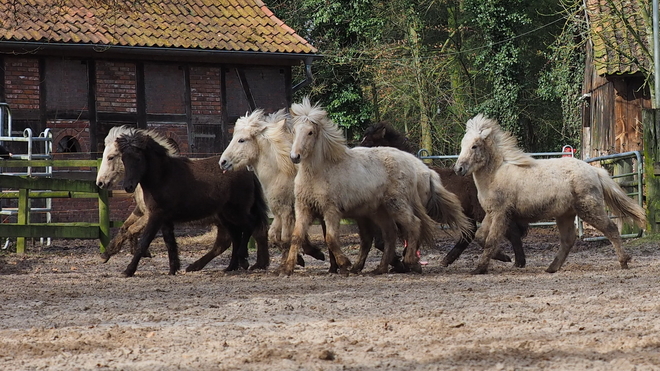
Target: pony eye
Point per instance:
(241, 140)
(474, 146)
(111, 158)
(310, 133)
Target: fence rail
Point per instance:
(25, 188)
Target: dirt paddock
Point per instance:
(62, 309)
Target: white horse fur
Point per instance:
(390, 187)
(262, 143)
(512, 184)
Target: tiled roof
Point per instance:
(231, 25)
(617, 50)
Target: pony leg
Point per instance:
(567, 235)
(172, 248)
(388, 231)
(238, 258)
(607, 227)
(263, 257)
(366, 233)
(222, 243)
(514, 234)
(460, 246)
(148, 235)
(491, 232)
(332, 224)
(124, 234)
(303, 221)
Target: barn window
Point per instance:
(165, 88)
(68, 144)
(66, 85)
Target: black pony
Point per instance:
(177, 189)
(383, 134)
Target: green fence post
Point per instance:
(104, 219)
(23, 217)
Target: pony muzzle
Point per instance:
(295, 157)
(460, 169)
(225, 165)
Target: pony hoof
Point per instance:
(624, 265)
(480, 270)
(316, 254)
(244, 264)
(300, 261)
(259, 266)
(127, 274)
(445, 263)
(344, 272)
(172, 273)
(333, 270)
(416, 268)
(378, 271)
(502, 257)
(105, 257)
(193, 268)
(551, 270)
(520, 264)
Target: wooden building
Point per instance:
(614, 89)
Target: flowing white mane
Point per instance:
(117, 131)
(331, 141)
(505, 143)
(278, 133)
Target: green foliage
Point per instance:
(428, 66)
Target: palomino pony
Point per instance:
(177, 189)
(111, 172)
(383, 134)
(387, 186)
(263, 143)
(512, 184)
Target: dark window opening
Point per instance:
(68, 144)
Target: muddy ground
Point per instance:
(63, 309)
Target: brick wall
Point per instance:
(22, 83)
(205, 93)
(115, 87)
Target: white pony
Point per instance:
(392, 188)
(512, 184)
(262, 143)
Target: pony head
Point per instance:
(486, 144)
(314, 131)
(243, 150)
(111, 169)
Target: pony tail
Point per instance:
(444, 207)
(618, 200)
(427, 225)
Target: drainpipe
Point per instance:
(308, 75)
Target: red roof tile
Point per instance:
(234, 25)
(617, 50)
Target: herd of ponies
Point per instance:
(296, 165)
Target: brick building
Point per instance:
(186, 68)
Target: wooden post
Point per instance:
(104, 219)
(23, 217)
(651, 124)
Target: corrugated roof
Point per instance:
(618, 50)
(231, 25)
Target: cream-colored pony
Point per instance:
(392, 188)
(262, 143)
(512, 184)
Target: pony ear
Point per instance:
(485, 133)
(380, 132)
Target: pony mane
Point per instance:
(127, 130)
(331, 141)
(503, 141)
(280, 136)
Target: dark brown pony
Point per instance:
(177, 189)
(383, 134)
